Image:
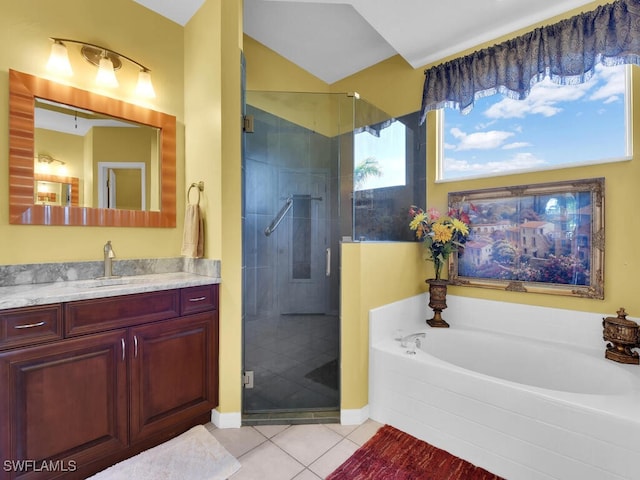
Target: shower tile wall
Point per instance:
(278, 145)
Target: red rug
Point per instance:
(394, 455)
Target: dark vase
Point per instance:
(437, 301)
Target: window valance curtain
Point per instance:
(376, 128)
(567, 52)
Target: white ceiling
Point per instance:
(333, 39)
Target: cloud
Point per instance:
(607, 85)
(520, 161)
(613, 85)
(612, 99)
(511, 146)
(543, 100)
(479, 140)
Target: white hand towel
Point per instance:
(193, 236)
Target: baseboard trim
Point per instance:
(226, 420)
(354, 416)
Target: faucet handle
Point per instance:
(412, 346)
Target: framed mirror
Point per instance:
(27, 90)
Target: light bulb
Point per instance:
(106, 75)
(59, 59)
(144, 88)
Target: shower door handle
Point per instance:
(328, 262)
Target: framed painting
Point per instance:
(544, 238)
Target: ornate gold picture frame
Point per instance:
(544, 238)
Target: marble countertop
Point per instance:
(66, 291)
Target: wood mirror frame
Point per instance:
(23, 90)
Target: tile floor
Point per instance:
(292, 452)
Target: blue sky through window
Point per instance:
(554, 125)
(388, 152)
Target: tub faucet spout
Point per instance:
(414, 337)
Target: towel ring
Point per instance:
(199, 186)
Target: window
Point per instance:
(555, 126)
(389, 174)
(381, 160)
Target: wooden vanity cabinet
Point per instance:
(63, 401)
(90, 400)
(172, 365)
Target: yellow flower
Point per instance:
(441, 233)
(417, 221)
(460, 226)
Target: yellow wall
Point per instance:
(126, 27)
(213, 43)
(271, 72)
(231, 201)
(264, 74)
(372, 275)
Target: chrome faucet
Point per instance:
(414, 337)
(109, 254)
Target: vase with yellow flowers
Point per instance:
(441, 235)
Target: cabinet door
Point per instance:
(63, 404)
(174, 369)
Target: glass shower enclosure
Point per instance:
(299, 204)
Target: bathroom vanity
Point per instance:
(86, 383)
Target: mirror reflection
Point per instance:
(55, 190)
(115, 162)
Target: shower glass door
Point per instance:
(292, 164)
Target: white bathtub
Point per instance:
(518, 406)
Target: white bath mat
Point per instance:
(194, 455)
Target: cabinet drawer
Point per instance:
(101, 314)
(29, 325)
(199, 299)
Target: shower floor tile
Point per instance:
(295, 363)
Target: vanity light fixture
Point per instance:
(44, 158)
(107, 61)
(45, 163)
